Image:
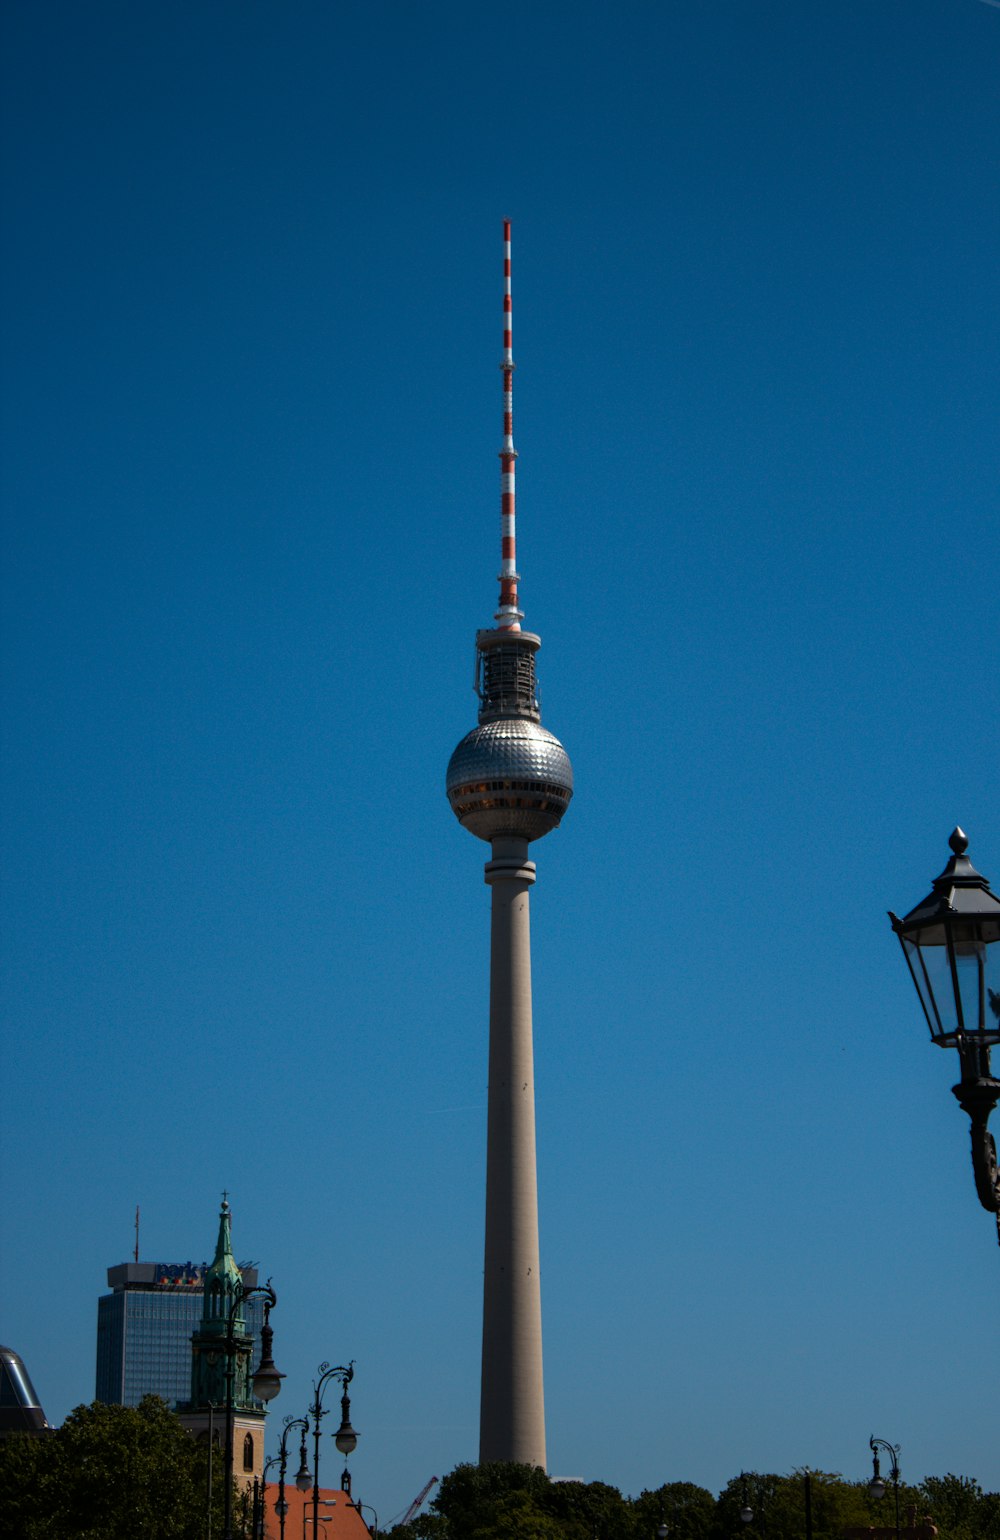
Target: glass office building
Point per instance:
(144, 1329)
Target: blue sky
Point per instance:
(251, 409)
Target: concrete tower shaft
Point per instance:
(512, 1403)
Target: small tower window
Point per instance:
(248, 1453)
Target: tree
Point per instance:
(778, 1504)
(109, 1473)
(469, 1498)
(519, 1502)
(688, 1509)
(960, 1508)
(583, 1509)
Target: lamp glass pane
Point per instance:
(913, 958)
(970, 965)
(937, 964)
(266, 1383)
(992, 981)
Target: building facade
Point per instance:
(145, 1326)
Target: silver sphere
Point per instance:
(509, 776)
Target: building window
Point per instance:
(248, 1453)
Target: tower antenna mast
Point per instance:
(508, 617)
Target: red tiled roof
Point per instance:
(338, 1519)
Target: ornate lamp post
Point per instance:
(876, 1486)
(345, 1437)
(302, 1478)
(747, 1514)
(266, 1381)
(951, 942)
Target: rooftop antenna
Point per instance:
(508, 617)
(137, 1232)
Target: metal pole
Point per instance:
(281, 1480)
(227, 1528)
(211, 1450)
(317, 1414)
(809, 1506)
(281, 1489)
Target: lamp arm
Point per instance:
(977, 1098)
(343, 1372)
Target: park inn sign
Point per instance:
(169, 1275)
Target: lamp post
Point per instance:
(951, 942)
(261, 1499)
(808, 1485)
(746, 1507)
(302, 1475)
(370, 1509)
(324, 1518)
(266, 1381)
(345, 1437)
(876, 1486)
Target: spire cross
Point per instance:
(508, 616)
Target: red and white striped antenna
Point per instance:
(508, 617)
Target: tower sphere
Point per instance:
(509, 776)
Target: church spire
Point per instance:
(222, 1311)
(223, 1281)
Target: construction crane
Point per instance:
(416, 1504)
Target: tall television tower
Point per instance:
(509, 782)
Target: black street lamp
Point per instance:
(951, 942)
(302, 1480)
(266, 1381)
(746, 1508)
(876, 1486)
(345, 1437)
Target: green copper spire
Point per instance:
(223, 1281)
(222, 1313)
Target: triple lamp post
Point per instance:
(345, 1439)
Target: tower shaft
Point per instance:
(512, 1409)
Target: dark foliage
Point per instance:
(519, 1502)
(109, 1473)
